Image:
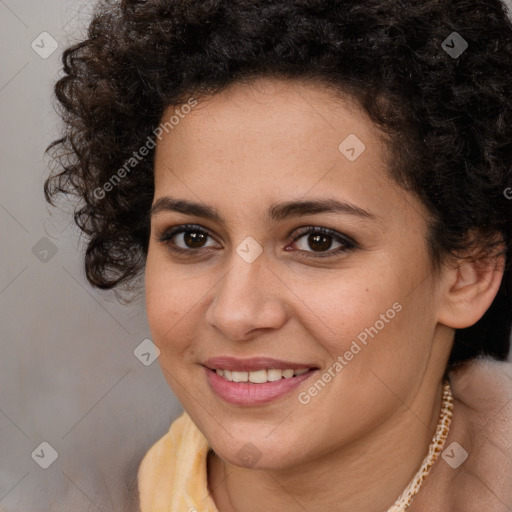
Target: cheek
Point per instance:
(172, 305)
(376, 319)
(338, 308)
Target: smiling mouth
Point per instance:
(255, 381)
(260, 376)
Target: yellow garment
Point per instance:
(173, 474)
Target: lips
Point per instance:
(254, 381)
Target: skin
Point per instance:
(358, 442)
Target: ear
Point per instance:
(468, 290)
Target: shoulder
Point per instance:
(482, 390)
(158, 462)
(474, 472)
(482, 376)
(172, 465)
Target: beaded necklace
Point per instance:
(436, 446)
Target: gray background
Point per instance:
(68, 374)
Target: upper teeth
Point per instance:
(259, 376)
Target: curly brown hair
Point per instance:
(447, 117)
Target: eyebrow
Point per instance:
(276, 212)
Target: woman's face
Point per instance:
(256, 170)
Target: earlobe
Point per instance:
(471, 286)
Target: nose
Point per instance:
(249, 299)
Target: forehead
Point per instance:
(273, 138)
(264, 107)
(269, 121)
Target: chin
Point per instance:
(255, 455)
(253, 446)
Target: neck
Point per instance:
(367, 476)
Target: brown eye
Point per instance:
(185, 238)
(319, 242)
(324, 241)
(194, 239)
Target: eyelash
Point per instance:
(348, 244)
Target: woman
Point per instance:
(318, 195)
